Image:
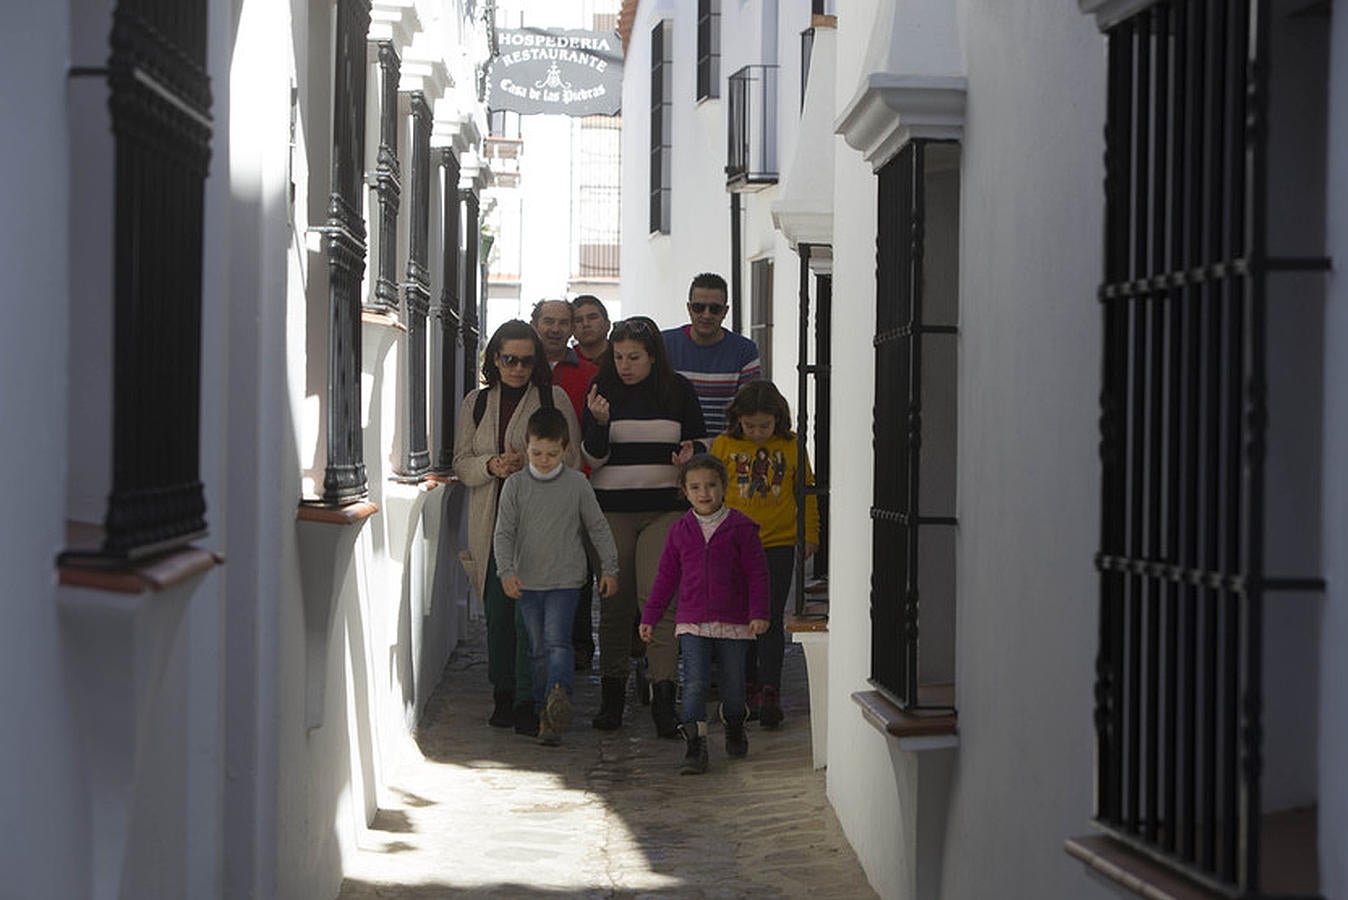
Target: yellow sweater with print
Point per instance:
(763, 487)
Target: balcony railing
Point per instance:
(751, 155)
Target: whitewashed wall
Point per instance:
(41, 804)
(1027, 471)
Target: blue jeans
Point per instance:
(548, 616)
(697, 656)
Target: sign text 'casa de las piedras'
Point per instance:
(566, 72)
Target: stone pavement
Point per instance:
(489, 813)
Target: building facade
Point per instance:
(253, 227)
(557, 187)
(1081, 378)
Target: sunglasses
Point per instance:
(511, 361)
(714, 308)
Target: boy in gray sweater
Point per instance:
(540, 554)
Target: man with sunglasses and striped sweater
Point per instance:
(716, 360)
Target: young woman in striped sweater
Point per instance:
(642, 420)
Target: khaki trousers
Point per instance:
(640, 537)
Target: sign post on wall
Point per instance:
(554, 71)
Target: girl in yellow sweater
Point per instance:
(759, 451)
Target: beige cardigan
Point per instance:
(474, 445)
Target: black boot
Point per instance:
(612, 698)
(503, 715)
(770, 716)
(526, 719)
(666, 718)
(695, 758)
(736, 741)
(641, 686)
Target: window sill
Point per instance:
(154, 574)
(350, 514)
(1288, 861)
(913, 732)
(384, 320)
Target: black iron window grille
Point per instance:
(708, 49)
(472, 268)
(806, 55)
(344, 478)
(1179, 673)
(446, 395)
(751, 152)
(813, 369)
(662, 124)
(760, 311)
(415, 458)
(160, 103)
(912, 576)
(387, 181)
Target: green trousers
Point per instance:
(507, 646)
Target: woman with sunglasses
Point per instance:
(642, 420)
(488, 448)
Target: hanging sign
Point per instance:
(562, 72)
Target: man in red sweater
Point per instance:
(552, 320)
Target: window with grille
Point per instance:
(344, 478)
(708, 49)
(445, 392)
(414, 458)
(913, 523)
(760, 311)
(472, 291)
(1203, 337)
(596, 174)
(159, 100)
(662, 123)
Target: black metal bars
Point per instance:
(751, 128)
(160, 102)
(900, 327)
(662, 125)
(1182, 429)
(387, 179)
(814, 374)
(344, 478)
(708, 49)
(472, 268)
(446, 396)
(415, 459)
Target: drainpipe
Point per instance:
(736, 257)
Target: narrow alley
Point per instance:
(489, 813)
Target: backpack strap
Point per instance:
(480, 406)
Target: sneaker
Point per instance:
(770, 713)
(548, 736)
(557, 710)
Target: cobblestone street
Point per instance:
(488, 813)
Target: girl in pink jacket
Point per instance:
(714, 559)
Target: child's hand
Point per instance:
(810, 549)
(647, 633)
(513, 587)
(608, 586)
(683, 454)
(598, 405)
(758, 626)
